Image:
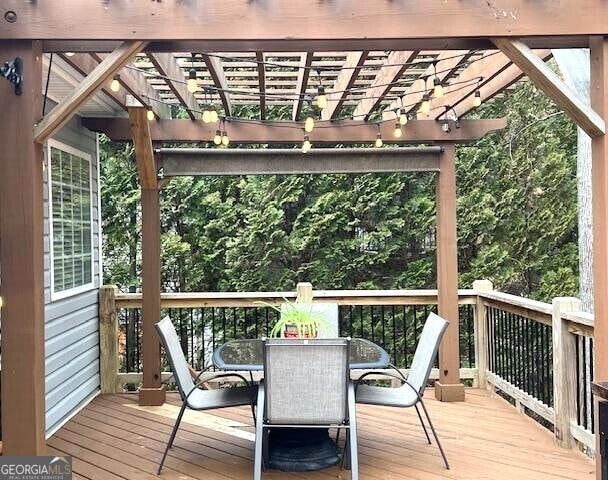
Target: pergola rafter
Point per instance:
(345, 80)
(216, 70)
(302, 84)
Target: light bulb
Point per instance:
(69, 54)
(150, 115)
(206, 115)
(438, 88)
(378, 142)
(192, 84)
(213, 116)
(321, 98)
(218, 138)
(397, 132)
(115, 85)
(477, 99)
(309, 124)
(425, 108)
(402, 116)
(225, 139)
(306, 145)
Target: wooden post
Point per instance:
(304, 292)
(448, 388)
(564, 373)
(21, 257)
(151, 392)
(108, 339)
(599, 187)
(480, 327)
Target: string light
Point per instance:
(477, 99)
(321, 97)
(225, 139)
(309, 124)
(217, 139)
(438, 88)
(150, 115)
(192, 84)
(425, 107)
(207, 114)
(306, 145)
(378, 142)
(402, 116)
(213, 116)
(115, 85)
(397, 132)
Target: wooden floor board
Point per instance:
(485, 438)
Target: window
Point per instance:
(70, 220)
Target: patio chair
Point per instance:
(306, 384)
(410, 393)
(192, 396)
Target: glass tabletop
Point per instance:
(247, 355)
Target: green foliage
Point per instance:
(516, 218)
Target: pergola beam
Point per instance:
(416, 131)
(62, 113)
(248, 21)
(553, 86)
(396, 64)
(166, 65)
(216, 70)
(204, 161)
(346, 79)
(302, 84)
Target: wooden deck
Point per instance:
(485, 438)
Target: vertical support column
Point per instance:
(151, 392)
(448, 388)
(599, 186)
(21, 257)
(480, 326)
(304, 292)
(108, 339)
(564, 374)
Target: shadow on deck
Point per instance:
(485, 438)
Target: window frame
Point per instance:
(89, 158)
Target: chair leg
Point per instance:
(352, 434)
(172, 437)
(338, 435)
(445, 460)
(422, 423)
(259, 436)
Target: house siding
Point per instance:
(72, 323)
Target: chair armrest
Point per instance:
(198, 384)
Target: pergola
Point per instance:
(372, 58)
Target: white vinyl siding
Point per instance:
(71, 220)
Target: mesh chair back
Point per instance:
(175, 355)
(426, 351)
(306, 381)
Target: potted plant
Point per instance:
(297, 320)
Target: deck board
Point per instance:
(484, 438)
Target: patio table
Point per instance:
(305, 449)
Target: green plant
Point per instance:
(300, 316)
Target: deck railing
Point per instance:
(537, 355)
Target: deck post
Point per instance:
(448, 388)
(108, 339)
(304, 292)
(151, 391)
(21, 256)
(599, 187)
(480, 328)
(564, 374)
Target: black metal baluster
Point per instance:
(382, 319)
(350, 321)
(361, 320)
(405, 339)
(395, 354)
(223, 324)
(371, 322)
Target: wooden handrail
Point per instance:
(252, 299)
